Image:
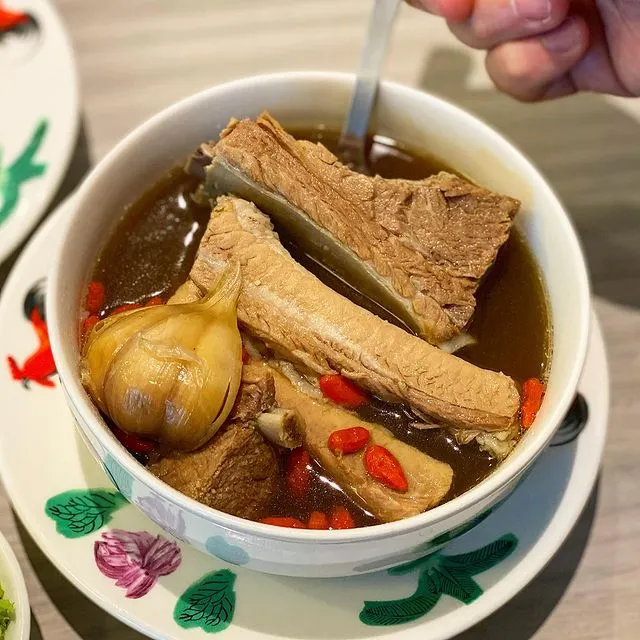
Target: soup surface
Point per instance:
(153, 247)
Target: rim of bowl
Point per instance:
(504, 473)
(16, 583)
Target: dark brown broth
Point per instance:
(155, 243)
(152, 249)
(511, 319)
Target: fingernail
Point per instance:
(564, 39)
(533, 10)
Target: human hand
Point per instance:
(542, 49)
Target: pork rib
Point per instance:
(304, 321)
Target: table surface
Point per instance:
(135, 57)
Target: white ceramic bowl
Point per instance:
(15, 590)
(405, 114)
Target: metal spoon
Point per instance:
(351, 148)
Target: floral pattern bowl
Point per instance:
(319, 97)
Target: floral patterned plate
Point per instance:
(162, 587)
(38, 114)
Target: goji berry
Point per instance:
(152, 302)
(342, 391)
(318, 520)
(383, 466)
(245, 355)
(532, 394)
(132, 442)
(284, 521)
(348, 440)
(340, 518)
(95, 297)
(299, 472)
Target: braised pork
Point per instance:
(236, 472)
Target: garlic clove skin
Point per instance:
(102, 346)
(172, 372)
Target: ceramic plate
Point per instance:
(15, 590)
(38, 114)
(164, 588)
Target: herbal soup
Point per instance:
(287, 340)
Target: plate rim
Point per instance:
(64, 154)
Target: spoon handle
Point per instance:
(357, 122)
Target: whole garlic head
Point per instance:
(171, 372)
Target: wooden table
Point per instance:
(135, 57)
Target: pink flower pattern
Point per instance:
(136, 559)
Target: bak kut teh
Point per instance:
(286, 340)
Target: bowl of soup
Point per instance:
(306, 369)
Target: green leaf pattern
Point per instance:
(402, 611)
(486, 557)
(440, 575)
(456, 583)
(24, 168)
(208, 603)
(78, 513)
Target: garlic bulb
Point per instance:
(170, 372)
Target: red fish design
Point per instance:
(20, 38)
(11, 19)
(39, 366)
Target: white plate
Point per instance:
(69, 507)
(15, 590)
(38, 115)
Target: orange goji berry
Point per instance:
(283, 521)
(340, 518)
(95, 297)
(152, 302)
(342, 391)
(348, 440)
(383, 466)
(318, 520)
(532, 394)
(299, 472)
